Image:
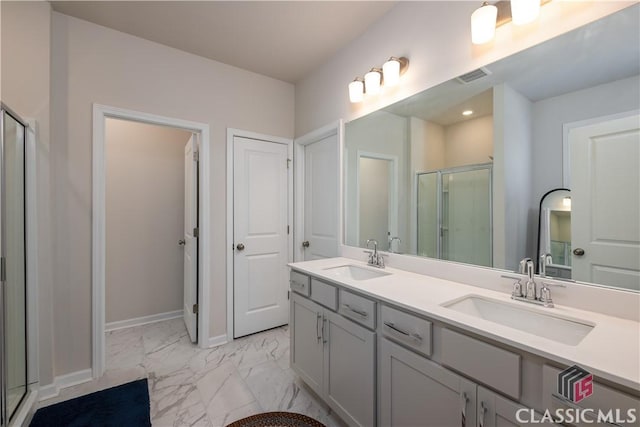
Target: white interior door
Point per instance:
(321, 199)
(260, 218)
(605, 202)
(190, 242)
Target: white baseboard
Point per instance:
(26, 410)
(63, 381)
(137, 321)
(217, 341)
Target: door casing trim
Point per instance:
(231, 134)
(98, 223)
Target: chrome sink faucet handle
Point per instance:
(375, 259)
(530, 287)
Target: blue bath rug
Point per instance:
(124, 405)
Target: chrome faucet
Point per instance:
(529, 294)
(375, 259)
(545, 259)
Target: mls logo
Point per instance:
(575, 384)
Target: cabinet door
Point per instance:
(497, 411)
(306, 341)
(350, 370)
(418, 392)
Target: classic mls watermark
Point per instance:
(574, 385)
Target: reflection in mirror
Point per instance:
(554, 234)
(473, 158)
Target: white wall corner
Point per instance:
(217, 340)
(63, 381)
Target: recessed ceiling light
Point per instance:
(467, 113)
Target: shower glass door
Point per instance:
(14, 319)
(454, 214)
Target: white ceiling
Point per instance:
(285, 40)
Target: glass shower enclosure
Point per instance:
(455, 214)
(13, 273)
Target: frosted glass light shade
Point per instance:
(524, 11)
(356, 91)
(372, 81)
(391, 72)
(483, 24)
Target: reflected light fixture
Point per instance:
(467, 112)
(373, 81)
(356, 90)
(524, 11)
(483, 23)
(566, 202)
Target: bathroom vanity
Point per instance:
(394, 348)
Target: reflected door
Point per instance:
(605, 222)
(14, 255)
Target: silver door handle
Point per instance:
(483, 412)
(305, 244)
(318, 333)
(578, 251)
(240, 247)
(182, 242)
(464, 400)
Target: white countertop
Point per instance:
(610, 351)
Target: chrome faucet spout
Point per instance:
(375, 259)
(545, 259)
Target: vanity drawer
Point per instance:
(603, 398)
(407, 329)
(358, 309)
(324, 294)
(299, 283)
(493, 366)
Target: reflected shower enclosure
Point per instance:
(455, 214)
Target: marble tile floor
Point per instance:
(189, 386)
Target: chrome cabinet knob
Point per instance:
(240, 247)
(182, 242)
(578, 251)
(305, 244)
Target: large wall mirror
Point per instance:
(458, 171)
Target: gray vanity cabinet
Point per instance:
(336, 358)
(497, 411)
(350, 386)
(307, 348)
(418, 392)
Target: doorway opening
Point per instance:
(150, 224)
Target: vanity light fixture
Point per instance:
(388, 75)
(467, 112)
(356, 90)
(483, 23)
(488, 17)
(373, 81)
(566, 202)
(524, 11)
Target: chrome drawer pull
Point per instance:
(405, 333)
(297, 285)
(355, 310)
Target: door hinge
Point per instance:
(3, 270)
(196, 156)
(287, 229)
(288, 163)
(195, 308)
(288, 295)
(196, 232)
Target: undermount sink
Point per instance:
(354, 272)
(561, 329)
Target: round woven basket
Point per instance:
(277, 419)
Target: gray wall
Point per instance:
(144, 219)
(93, 64)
